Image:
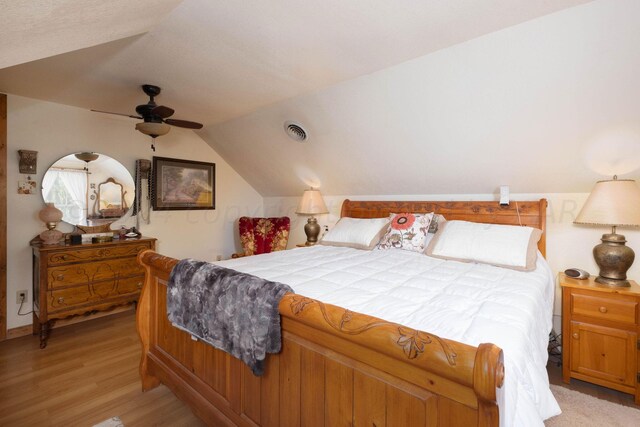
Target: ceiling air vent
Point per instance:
(295, 131)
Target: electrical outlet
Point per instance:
(219, 258)
(22, 296)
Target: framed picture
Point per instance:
(182, 184)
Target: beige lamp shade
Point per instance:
(50, 214)
(614, 202)
(312, 203)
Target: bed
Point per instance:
(339, 366)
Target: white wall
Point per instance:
(522, 106)
(55, 130)
(568, 245)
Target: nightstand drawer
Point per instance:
(616, 309)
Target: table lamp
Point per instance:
(51, 216)
(312, 204)
(614, 203)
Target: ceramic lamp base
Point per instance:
(612, 282)
(51, 237)
(614, 259)
(312, 230)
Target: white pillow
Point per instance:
(358, 233)
(508, 246)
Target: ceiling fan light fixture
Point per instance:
(153, 129)
(87, 156)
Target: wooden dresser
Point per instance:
(71, 280)
(600, 329)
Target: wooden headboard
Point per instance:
(529, 213)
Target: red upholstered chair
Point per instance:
(263, 235)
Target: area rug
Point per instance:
(111, 422)
(581, 410)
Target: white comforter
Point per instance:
(470, 303)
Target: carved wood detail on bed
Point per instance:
(348, 322)
(336, 367)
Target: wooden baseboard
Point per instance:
(85, 317)
(20, 331)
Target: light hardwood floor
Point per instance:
(87, 374)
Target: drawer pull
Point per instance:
(60, 277)
(63, 257)
(575, 335)
(60, 300)
(139, 285)
(603, 309)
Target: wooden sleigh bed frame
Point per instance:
(336, 367)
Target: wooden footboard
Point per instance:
(336, 368)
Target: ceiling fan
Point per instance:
(156, 121)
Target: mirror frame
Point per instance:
(123, 203)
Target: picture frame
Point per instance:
(179, 184)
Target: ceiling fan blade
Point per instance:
(183, 124)
(162, 111)
(117, 114)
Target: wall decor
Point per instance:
(28, 162)
(27, 186)
(142, 206)
(182, 184)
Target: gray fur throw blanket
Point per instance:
(232, 311)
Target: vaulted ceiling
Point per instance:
(31, 30)
(368, 78)
(218, 60)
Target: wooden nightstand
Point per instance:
(600, 329)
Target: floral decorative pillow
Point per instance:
(407, 231)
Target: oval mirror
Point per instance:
(89, 188)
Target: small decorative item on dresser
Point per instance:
(615, 203)
(600, 328)
(102, 239)
(51, 216)
(312, 204)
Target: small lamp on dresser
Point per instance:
(51, 216)
(312, 204)
(614, 203)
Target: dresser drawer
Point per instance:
(95, 254)
(617, 308)
(75, 274)
(95, 293)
